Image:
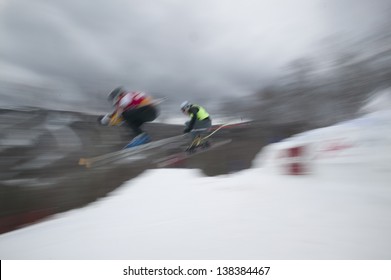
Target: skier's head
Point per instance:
(185, 106)
(115, 94)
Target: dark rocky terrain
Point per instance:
(40, 151)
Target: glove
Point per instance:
(104, 120)
(186, 130)
(100, 119)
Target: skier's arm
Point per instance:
(115, 119)
(194, 111)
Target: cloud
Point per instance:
(208, 48)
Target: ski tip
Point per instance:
(85, 162)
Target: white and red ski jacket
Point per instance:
(133, 100)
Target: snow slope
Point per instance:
(179, 214)
(339, 209)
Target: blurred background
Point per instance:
(288, 66)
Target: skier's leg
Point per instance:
(201, 129)
(137, 117)
(131, 118)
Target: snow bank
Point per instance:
(378, 101)
(180, 214)
(361, 145)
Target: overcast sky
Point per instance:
(183, 49)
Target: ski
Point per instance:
(180, 156)
(117, 155)
(128, 152)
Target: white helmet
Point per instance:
(114, 94)
(185, 106)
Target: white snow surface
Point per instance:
(339, 209)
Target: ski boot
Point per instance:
(140, 139)
(205, 144)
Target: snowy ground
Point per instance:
(340, 209)
(180, 214)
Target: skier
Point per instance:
(136, 108)
(199, 122)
